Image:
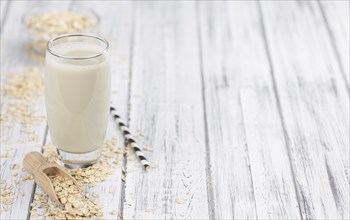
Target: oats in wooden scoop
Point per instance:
(75, 204)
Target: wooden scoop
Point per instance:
(36, 164)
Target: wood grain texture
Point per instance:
(13, 46)
(166, 104)
(271, 172)
(234, 56)
(3, 11)
(233, 193)
(245, 104)
(315, 106)
(337, 18)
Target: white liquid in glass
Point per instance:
(77, 97)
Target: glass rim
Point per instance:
(49, 49)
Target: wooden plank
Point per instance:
(315, 106)
(118, 32)
(3, 11)
(233, 57)
(166, 105)
(233, 194)
(271, 172)
(14, 59)
(337, 18)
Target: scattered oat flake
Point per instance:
(120, 215)
(14, 166)
(28, 177)
(95, 195)
(111, 189)
(141, 133)
(180, 201)
(4, 208)
(149, 210)
(33, 138)
(4, 139)
(7, 201)
(151, 167)
(113, 212)
(147, 148)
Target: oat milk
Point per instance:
(77, 94)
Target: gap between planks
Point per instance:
(210, 191)
(332, 40)
(278, 104)
(127, 119)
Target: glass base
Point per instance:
(78, 160)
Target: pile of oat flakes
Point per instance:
(42, 27)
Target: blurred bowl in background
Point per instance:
(44, 23)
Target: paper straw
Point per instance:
(130, 140)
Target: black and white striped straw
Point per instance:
(130, 140)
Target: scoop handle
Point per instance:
(32, 161)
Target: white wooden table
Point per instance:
(246, 105)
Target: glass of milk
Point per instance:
(77, 96)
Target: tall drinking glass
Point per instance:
(77, 95)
